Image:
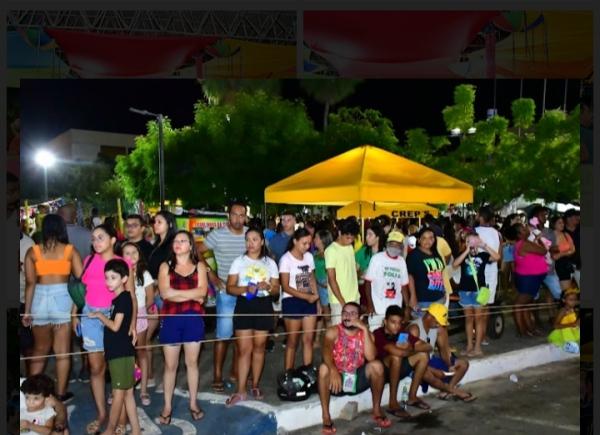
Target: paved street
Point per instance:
(545, 400)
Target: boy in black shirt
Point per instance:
(118, 346)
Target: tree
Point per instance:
(232, 150)
(329, 92)
(224, 91)
(503, 161)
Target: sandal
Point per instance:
(445, 395)
(121, 429)
(475, 354)
(145, 399)
(328, 429)
(399, 413)
(468, 398)
(419, 404)
(165, 419)
(234, 399)
(256, 393)
(382, 421)
(197, 415)
(92, 427)
(218, 386)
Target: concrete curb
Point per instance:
(299, 415)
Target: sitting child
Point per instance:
(36, 414)
(566, 324)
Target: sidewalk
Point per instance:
(506, 354)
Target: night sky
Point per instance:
(49, 107)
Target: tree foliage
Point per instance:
(329, 92)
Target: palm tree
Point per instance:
(329, 92)
(223, 91)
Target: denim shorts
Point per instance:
(225, 309)
(424, 305)
(468, 300)
(51, 304)
(553, 284)
(184, 329)
(92, 330)
(300, 307)
(529, 284)
(323, 295)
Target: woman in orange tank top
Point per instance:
(48, 306)
(562, 251)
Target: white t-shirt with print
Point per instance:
(38, 417)
(253, 271)
(140, 290)
(387, 276)
(299, 270)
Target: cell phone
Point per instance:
(402, 338)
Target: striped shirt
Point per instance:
(227, 247)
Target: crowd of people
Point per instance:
(383, 302)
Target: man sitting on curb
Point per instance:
(349, 365)
(426, 329)
(401, 357)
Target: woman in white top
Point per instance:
(300, 296)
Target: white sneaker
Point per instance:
(160, 388)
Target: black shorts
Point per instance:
(362, 383)
(564, 269)
(260, 306)
(405, 370)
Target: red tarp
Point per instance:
(115, 55)
(391, 38)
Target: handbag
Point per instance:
(77, 288)
(483, 293)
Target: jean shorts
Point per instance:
(92, 330)
(553, 284)
(51, 304)
(424, 305)
(468, 300)
(225, 309)
(323, 295)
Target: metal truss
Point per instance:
(271, 26)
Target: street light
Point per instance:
(45, 159)
(161, 152)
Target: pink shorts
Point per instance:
(142, 322)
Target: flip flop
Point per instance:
(164, 419)
(257, 394)
(92, 427)
(382, 421)
(197, 415)
(399, 413)
(419, 404)
(328, 429)
(234, 399)
(468, 398)
(145, 399)
(445, 396)
(218, 386)
(474, 354)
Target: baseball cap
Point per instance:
(395, 236)
(439, 312)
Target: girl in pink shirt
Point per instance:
(99, 298)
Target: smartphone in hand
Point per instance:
(402, 338)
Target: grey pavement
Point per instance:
(545, 400)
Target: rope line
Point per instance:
(274, 334)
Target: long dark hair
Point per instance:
(172, 260)
(263, 249)
(171, 230)
(141, 265)
(434, 250)
(54, 230)
(298, 234)
(325, 236)
(380, 233)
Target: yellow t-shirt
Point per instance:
(341, 258)
(443, 248)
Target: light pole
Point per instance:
(45, 159)
(161, 152)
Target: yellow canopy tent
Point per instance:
(395, 210)
(367, 173)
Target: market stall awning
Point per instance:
(397, 210)
(367, 173)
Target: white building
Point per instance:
(88, 145)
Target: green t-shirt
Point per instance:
(341, 258)
(362, 260)
(320, 271)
